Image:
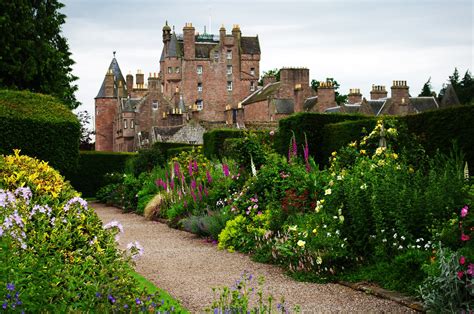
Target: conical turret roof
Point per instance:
(115, 69)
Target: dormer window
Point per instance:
(216, 55)
(154, 105)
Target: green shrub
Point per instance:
(93, 166)
(170, 149)
(40, 126)
(173, 152)
(146, 160)
(252, 146)
(311, 124)
(214, 141)
(206, 226)
(50, 237)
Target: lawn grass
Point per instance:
(151, 288)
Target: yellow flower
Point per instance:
(328, 192)
(353, 144)
(319, 260)
(363, 152)
(341, 219)
(292, 228)
(315, 231)
(395, 156)
(379, 150)
(411, 170)
(301, 243)
(334, 154)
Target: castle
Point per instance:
(207, 81)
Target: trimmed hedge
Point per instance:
(41, 126)
(93, 165)
(337, 135)
(435, 129)
(439, 128)
(173, 152)
(311, 124)
(165, 147)
(214, 141)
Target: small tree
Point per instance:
(427, 91)
(274, 72)
(86, 133)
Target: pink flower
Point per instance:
(272, 133)
(470, 269)
(465, 237)
(209, 178)
(176, 169)
(464, 211)
(225, 168)
(195, 166)
(460, 274)
(462, 260)
(190, 169)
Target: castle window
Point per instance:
(199, 87)
(199, 69)
(124, 123)
(252, 71)
(132, 124)
(216, 55)
(199, 104)
(252, 86)
(229, 54)
(229, 86)
(154, 105)
(229, 69)
(170, 70)
(176, 69)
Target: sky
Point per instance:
(358, 43)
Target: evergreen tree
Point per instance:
(427, 89)
(33, 53)
(454, 79)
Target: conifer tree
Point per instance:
(427, 89)
(34, 55)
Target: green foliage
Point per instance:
(311, 124)
(273, 72)
(172, 149)
(464, 87)
(40, 126)
(427, 90)
(93, 166)
(438, 129)
(209, 225)
(253, 146)
(52, 238)
(173, 152)
(214, 141)
(34, 55)
(146, 160)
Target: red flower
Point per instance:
(465, 237)
(460, 274)
(462, 260)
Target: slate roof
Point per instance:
(334, 109)
(449, 98)
(284, 106)
(166, 131)
(118, 77)
(309, 103)
(250, 45)
(376, 105)
(130, 104)
(351, 108)
(421, 104)
(203, 50)
(262, 93)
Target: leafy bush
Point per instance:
(40, 126)
(50, 237)
(209, 225)
(214, 141)
(93, 166)
(252, 146)
(310, 125)
(146, 160)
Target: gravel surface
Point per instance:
(189, 267)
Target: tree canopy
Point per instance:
(464, 87)
(427, 89)
(340, 99)
(273, 72)
(34, 55)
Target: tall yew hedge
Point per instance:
(41, 126)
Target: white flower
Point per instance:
(136, 250)
(339, 178)
(363, 186)
(341, 219)
(384, 240)
(402, 237)
(324, 226)
(400, 247)
(338, 232)
(395, 236)
(292, 228)
(328, 192)
(319, 260)
(301, 243)
(329, 234)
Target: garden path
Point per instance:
(189, 267)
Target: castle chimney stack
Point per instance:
(378, 92)
(354, 96)
(129, 83)
(326, 96)
(268, 79)
(222, 35)
(400, 96)
(140, 78)
(189, 41)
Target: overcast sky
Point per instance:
(359, 43)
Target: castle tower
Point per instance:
(166, 35)
(112, 87)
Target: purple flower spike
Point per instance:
(209, 178)
(225, 168)
(195, 166)
(190, 168)
(176, 169)
(193, 184)
(10, 287)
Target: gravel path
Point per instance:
(188, 268)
